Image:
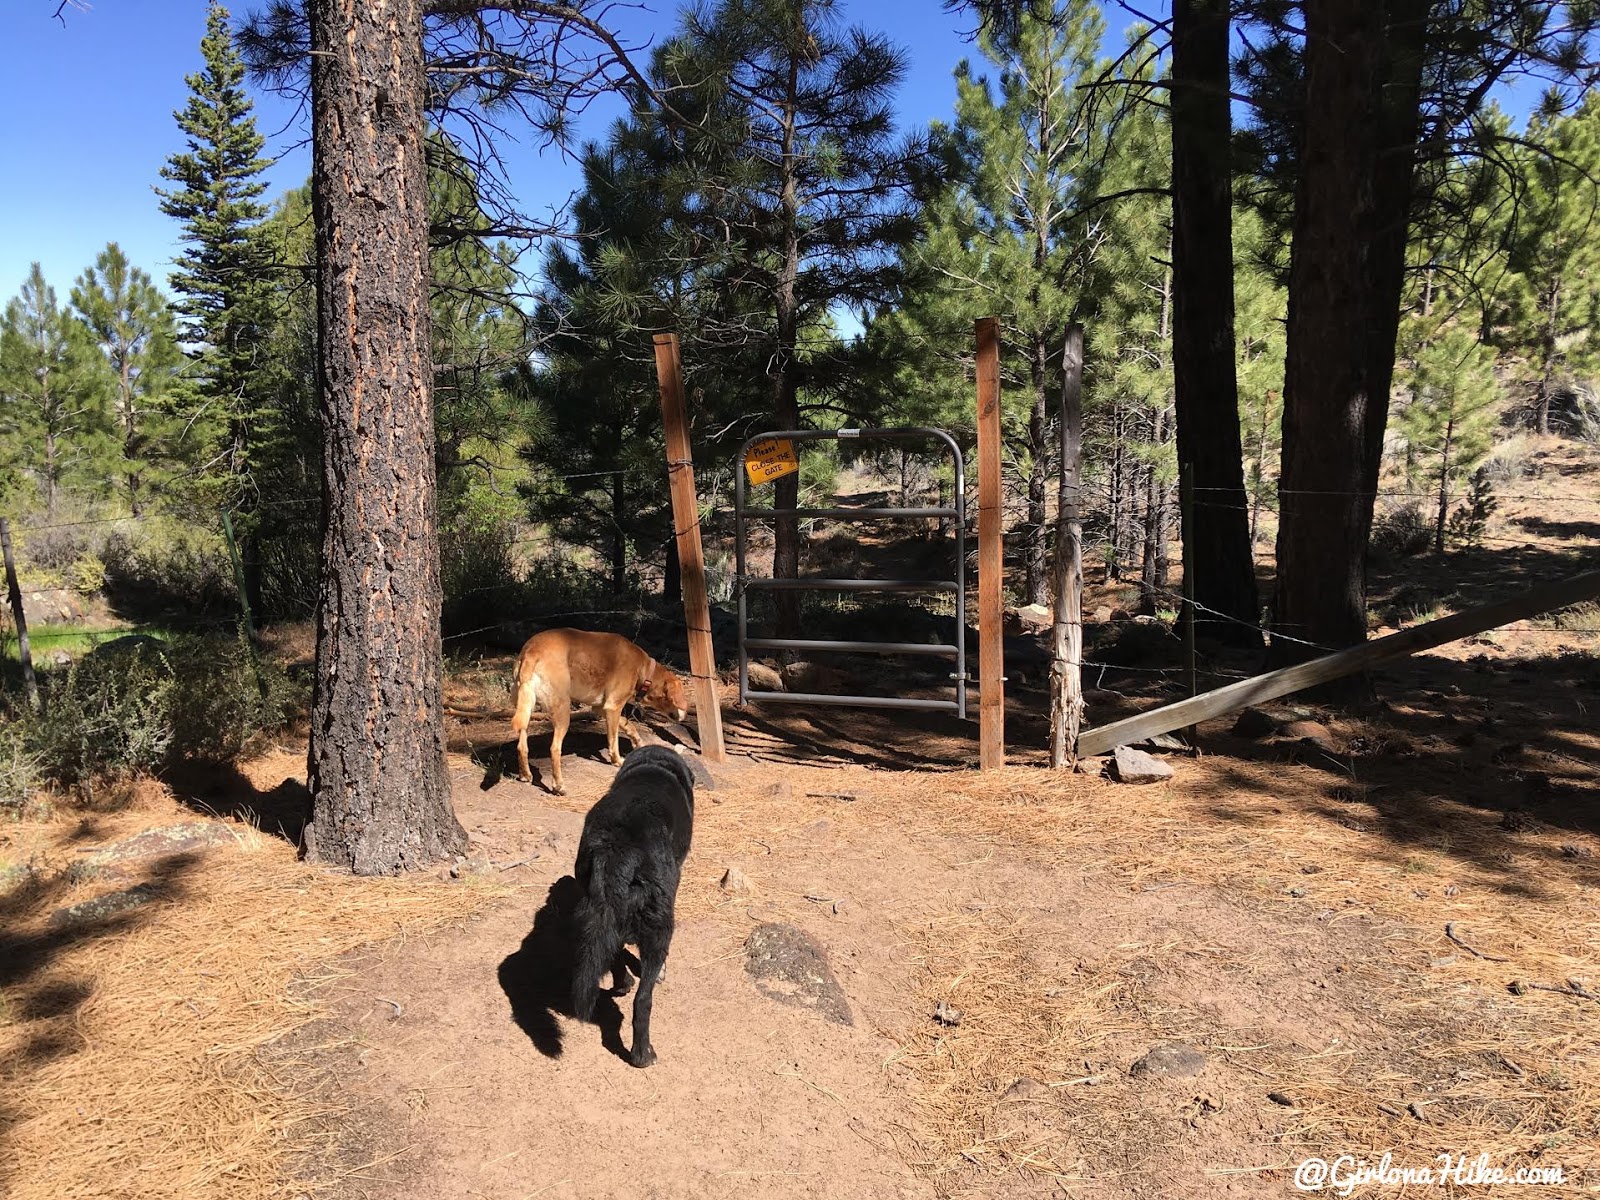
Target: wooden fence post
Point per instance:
(1066, 648)
(691, 558)
(991, 557)
(14, 591)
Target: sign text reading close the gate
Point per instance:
(769, 459)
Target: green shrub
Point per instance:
(1401, 532)
(557, 584)
(137, 705)
(19, 773)
(478, 574)
(167, 567)
(291, 571)
(107, 716)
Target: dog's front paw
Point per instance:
(556, 789)
(642, 1056)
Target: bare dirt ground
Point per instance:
(1285, 918)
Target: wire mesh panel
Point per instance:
(744, 583)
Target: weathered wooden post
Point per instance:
(991, 558)
(1066, 646)
(14, 591)
(691, 558)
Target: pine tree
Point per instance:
(481, 339)
(1449, 424)
(1554, 299)
(799, 192)
(1258, 331)
(1206, 390)
(1005, 235)
(133, 325)
(55, 399)
(605, 293)
(380, 787)
(221, 276)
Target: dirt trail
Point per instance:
(478, 1087)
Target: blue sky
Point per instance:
(91, 103)
(91, 123)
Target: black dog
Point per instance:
(629, 859)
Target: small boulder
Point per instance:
(703, 779)
(764, 679)
(734, 882)
(184, 838)
(1313, 733)
(1135, 766)
(814, 678)
(1102, 615)
(782, 790)
(1035, 616)
(1169, 1060)
(790, 967)
(1254, 724)
(102, 907)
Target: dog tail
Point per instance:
(600, 916)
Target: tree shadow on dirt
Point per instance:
(1497, 768)
(40, 997)
(537, 977)
(222, 790)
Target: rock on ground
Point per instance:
(1135, 766)
(764, 679)
(1169, 1060)
(102, 907)
(790, 967)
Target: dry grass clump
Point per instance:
(129, 1044)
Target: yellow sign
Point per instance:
(769, 459)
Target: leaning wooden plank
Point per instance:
(1304, 675)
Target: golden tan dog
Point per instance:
(562, 667)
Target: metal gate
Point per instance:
(744, 583)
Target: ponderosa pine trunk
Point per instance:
(1322, 543)
(1205, 377)
(380, 789)
(1399, 126)
(1352, 208)
(785, 388)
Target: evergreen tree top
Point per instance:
(224, 148)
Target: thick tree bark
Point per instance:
(1205, 380)
(1352, 207)
(1399, 125)
(785, 388)
(380, 790)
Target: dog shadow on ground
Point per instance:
(584, 747)
(537, 977)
